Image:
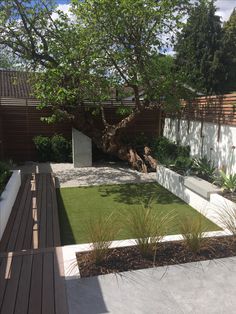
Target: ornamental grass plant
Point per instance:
(193, 231)
(101, 231)
(147, 227)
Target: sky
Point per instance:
(224, 7)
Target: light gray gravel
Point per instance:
(68, 176)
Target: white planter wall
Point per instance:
(222, 153)
(174, 182)
(7, 199)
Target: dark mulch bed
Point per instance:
(169, 253)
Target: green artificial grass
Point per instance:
(78, 205)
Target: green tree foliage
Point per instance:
(106, 45)
(199, 55)
(4, 61)
(8, 60)
(229, 51)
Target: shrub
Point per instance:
(4, 174)
(183, 164)
(192, 230)
(228, 182)
(43, 147)
(164, 149)
(204, 168)
(147, 227)
(101, 232)
(183, 151)
(56, 149)
(61, 149)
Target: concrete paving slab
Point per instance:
(208, 287)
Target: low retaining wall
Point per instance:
(174, 182)
(7, 199)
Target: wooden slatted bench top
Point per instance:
(32, 282)
(33, 222)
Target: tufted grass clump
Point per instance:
(101, 232)
(147, 227)
(193, 231)
(227, 218)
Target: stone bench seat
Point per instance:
(200, 186)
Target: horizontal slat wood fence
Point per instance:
(20, 123)
(214, 109)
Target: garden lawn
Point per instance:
(80, 204)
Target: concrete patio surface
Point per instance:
(68, 176)
(207, 287)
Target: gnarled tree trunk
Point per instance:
(109, 140)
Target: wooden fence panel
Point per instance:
(214, 109)
(21, 123)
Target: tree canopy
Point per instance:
(199, 55)
(229, 50)
(106, 46)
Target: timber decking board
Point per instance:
(22, 299)
(43, 221)
(49, 213)
(35, 304)
(32, 282)
(55, 221)
(8, 305)
(31, 266)
(48, 284)
(33, 222)
(15, 209)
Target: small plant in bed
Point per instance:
(101, 231)
(228, 183)
(182, 165)
(147, 227)
(204, 168)
(227, 218)
(192, 231)
(4, 175)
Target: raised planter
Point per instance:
(192, 191)
(8, 198)
(222, 202)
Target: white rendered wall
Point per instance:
(221, 152)
(7, 199)
(174, 183)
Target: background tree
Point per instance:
(107, 45)
(7, 59)
(199, 50)
(229, 51)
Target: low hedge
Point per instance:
(56, 148)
